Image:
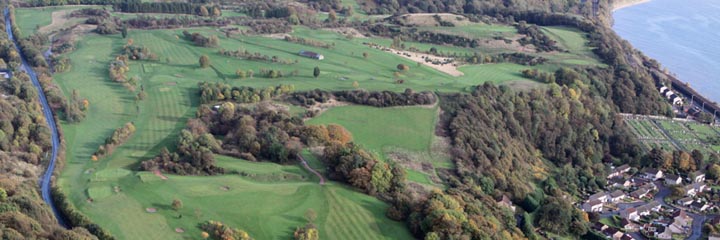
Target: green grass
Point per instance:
(573, 40)
(378, 128)
(267, 200)
(30, 19)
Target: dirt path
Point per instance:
(305, 164)
(449, 68)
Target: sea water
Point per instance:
(683, 35)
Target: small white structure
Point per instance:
(652, 173)
(593, 206)
(618, 171)
(697, 176)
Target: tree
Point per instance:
(216, 11)
(204, 61)
(366, 55)
(403, 67)
(316, 72)
(124, 31)
(204, 11)
(3, 195)
(204, 235)
(332, 16)
(355, 84)
(240, 73)
(339, 133)
(177, 204)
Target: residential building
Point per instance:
(685, 201)
(640, 193)
(505, 201)
(630, 214)
(695, 188)
(652, 173)
(697, 176)
(619, 171)
(673, 180)
(629, 226)
(700, 206)
(619, 182)
(593, 206)
(601, 196)
(617, 196)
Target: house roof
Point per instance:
(617, 180)
(686, 199)
(672, 177)
(652, 171)
(594, 202)
(598, 195)
(697, 173)
(679, 213)
(617, 193)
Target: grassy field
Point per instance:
(267, 200)
(279, 195)
(405, 130)
(30, 19)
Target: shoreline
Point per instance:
(620, 4)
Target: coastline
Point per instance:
(620, 4)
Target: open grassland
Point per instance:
(30, 19)
(401, 131)
(574, 41)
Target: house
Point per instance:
(697, 176)
(612, 233)
(617, 196)
(593, 206)
(693, 189)
(700, 206)
(644, 210)
(640, 193)
(505, 202)
(630, 214)
(619, 171)
(652, 173)
(619, 182)
(627, 237)
(628, 226)
(685, 201)
(682, 217)
(5, 74)
(672, 179)
(601, 196)
(310, 54)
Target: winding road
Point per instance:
(47, 176)
(305, 164)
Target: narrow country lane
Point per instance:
(46, 177)
(305, 164)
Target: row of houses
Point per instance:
(596, 201)
(612, 233)
(634, 214)
(678, 224)
(695, 177)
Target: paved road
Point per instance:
(45, 180)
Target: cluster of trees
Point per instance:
(201, 40)
(90, 12)
(679, 161)
(518, 58)
(151, 22)
(325, 5)
(309, 42)
(76, 218)
(26, 216)
(375, 99)
(213, 92)
(538, 75)
(534, 36)
(268, 26)
(259, 133)
(40, 3)
(24, 135)
(167, 7)
(118, 69)
(60, 63)
(139, 53)
(350, 164)
(194, 156)
(76, 107)
(309, 231)
(119, 136)
(218, 230)
(421, 36)
(255, 56)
